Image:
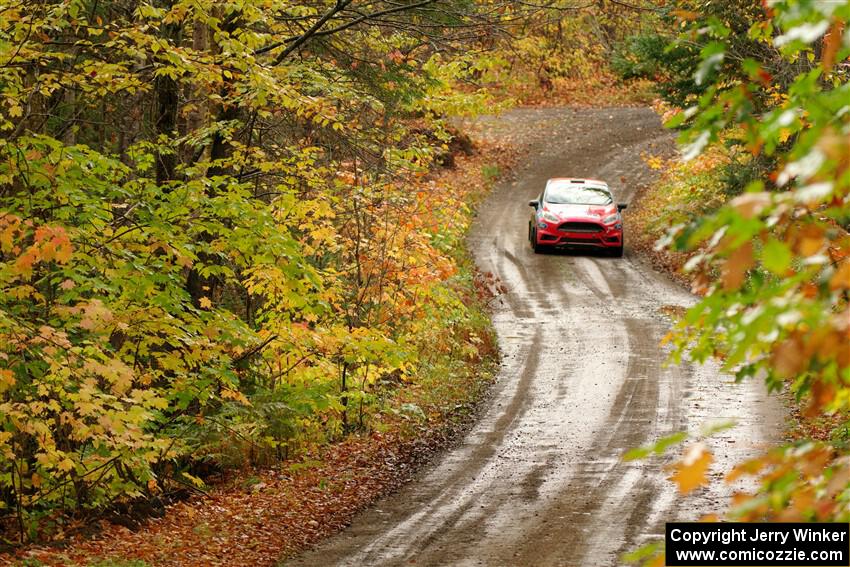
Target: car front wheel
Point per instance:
(537, 247)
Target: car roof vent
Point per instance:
(576, 180)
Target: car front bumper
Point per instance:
(606, 237)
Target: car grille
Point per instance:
(580, 227)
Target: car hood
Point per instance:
(588, 212)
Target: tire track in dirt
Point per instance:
(539, 480)
(601, 471)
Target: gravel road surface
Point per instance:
(539, 480)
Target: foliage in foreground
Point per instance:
(773, 263)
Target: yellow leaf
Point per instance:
(205, 303)
(655, 162)
(194, 480)
(690, 472)
(841, 278)
(229, 394)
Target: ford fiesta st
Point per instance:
(576, 213)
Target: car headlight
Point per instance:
(610, 219)
(546, 215)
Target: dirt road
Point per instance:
(539, 480)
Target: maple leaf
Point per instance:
(7, 379)
(788, 357)
(62, 248)
(735, 268)
(690, 472)
(95, 314)
(25, 262)
(655, 162)
(229, 394)
(205, 303)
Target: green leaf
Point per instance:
(656, 448)
(776, 257)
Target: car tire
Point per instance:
(538, 248)
(617, 252)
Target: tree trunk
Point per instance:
(167, 101)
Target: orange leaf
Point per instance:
(788, 357)
(686, 15)
(750, 467)
(690, 472)
(822, 394)
(810, 240)
(831, 45)
(736, 266)
(7, 379)
(841, 278)
(25, 262)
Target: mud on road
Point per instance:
(539, 480)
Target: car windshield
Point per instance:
(577, 195)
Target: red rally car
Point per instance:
(576, 213)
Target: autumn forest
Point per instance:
(234, 243)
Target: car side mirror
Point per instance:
(621, 206)
(534, 203)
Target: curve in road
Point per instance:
(539, 480)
